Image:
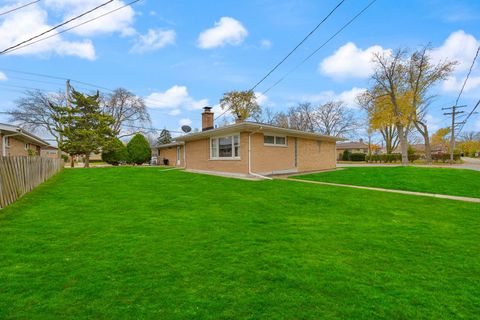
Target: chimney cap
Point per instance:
(207, 108)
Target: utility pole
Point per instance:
(454, 113)
(67, 93)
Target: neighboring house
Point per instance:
(420, 148)
(15, 141)
(50, 152)
(352, 147)
(250, 148)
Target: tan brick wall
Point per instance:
(268, 159)
(17, 148)
(311, 155)
(170, 153)
(198, 157)
(316, 155)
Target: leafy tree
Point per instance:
(243, 104)
(116, 153)
(346, 155)
(165, 137)
(139, 150)
(441, 136)
(85, 128)
(422, 75)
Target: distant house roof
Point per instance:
(351, 145)
(168, 145)
(9, 129)
(254, 127)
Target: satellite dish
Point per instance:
(186, 129)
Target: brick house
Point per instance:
(15, 141)
(352, 147)
(249, 148)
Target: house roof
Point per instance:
(168, 145)
(254, 127)
(9, 129)
(351, 145)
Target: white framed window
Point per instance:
(26, 146)
(274, 140)
(7, 142)
(225, 148)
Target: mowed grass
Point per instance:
(456, 182)
(141, 243)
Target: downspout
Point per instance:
(250, 157)
(4, 138)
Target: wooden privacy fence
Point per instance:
(19, 175)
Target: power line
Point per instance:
(57, 78)
(468, 117)
(298, 45)
(76, 26)
(468, 75)
(56, 27)
(321, 46)
(18, 8)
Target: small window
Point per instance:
(26, 146)
(7, 142)
(275, 140)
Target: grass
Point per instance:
(130, 243)
(456, 182)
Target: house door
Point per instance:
(178, 155)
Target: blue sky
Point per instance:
(182, 55)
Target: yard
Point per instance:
(455, 182)
(129, 243)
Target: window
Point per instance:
(26, 146)
(225, 147)
(275, 140)
(7, 142)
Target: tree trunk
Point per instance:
(87, 161)
(423, 129)
(403, 144)
(72, 161)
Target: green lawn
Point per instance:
(136, 243)
(456, 182)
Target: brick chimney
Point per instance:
(207, 119)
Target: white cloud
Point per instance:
(459, 46)
(454, 84)
(25, 23)
(3, 76)
(153, 40)
(185, 122)
(348, 97)
(261, 98)
(174, 98)
(175, 112)
(433, 123)
(119, 21)
(349, 61)
(265, 44)
(226, 31)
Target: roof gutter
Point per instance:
(250, 156)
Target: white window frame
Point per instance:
(26, 146)
(7, 142)
(275, 144)
(217, 138)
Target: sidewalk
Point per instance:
(414, 193)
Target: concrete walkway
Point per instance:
(414, 193)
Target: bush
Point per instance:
(357, 157)
(139, 149)
(64, 157)
(346, 155)
(444, 157)
(116, 153)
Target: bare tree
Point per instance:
(335, 119)
(36, 112)
(302, 117)
(127, 109)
